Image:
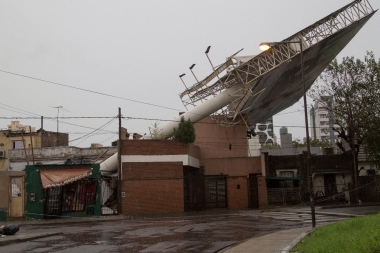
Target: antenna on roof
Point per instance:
(58, 107)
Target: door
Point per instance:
(215, 191)
(330, 184)
(53, 204)
(253, 191)
(16, 194)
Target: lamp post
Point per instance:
(265, 46)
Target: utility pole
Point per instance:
(58, 107)
(23, 143)
(31, 143)
(119, 167)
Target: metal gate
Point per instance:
(53, 204)
(194, 193)
(109, 195)
(16, 197)
(215, 192)
(253, 191)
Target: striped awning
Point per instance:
(54, 178)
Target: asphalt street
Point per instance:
(203, 233)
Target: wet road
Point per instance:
(201, 234)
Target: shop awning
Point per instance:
(54, 178)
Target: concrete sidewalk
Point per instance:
(278, 242)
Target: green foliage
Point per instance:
(273, 146)
(313, 143)
(355, 235)
(372, 144)
(354, 86)
(185, 131)
(156, 132)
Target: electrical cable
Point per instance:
(109, 122)
(91, 91)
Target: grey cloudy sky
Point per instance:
(136, 50)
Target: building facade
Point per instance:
(320, 124)
(25, 138)
(161, 176)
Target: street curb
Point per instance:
(27, 238)
(295, 241)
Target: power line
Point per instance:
(91, 91)
(54, 118)
(48, 118)
(105, 94)
(100, 128)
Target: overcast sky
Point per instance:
(136, 50)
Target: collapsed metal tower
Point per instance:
(252, 94)
(271, 81)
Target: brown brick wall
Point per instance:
(232, 166)
(152, 196)
(237, 198)
(49, 139)
(152, 188)
(193, 150)
(154, 170)
(213, 140)
(158, 147)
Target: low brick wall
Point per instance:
(152, 188)
(152, 196)
(283, 196)
(369, 190)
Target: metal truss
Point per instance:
(246, 75)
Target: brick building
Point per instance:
(287, 177)
(160, 176)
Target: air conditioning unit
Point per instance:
(2, 154)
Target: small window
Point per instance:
(17, 145)
(286, 173)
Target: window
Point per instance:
(323, 115)
(78, 194)
(286, 173)
(71, 197)
(17, 145)
(324, 130)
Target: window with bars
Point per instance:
(79, 194)
(71, 197)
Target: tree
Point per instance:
(372, 144)
(156, 131)
(185, 131)
(354, 87)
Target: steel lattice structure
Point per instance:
(247, 76)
